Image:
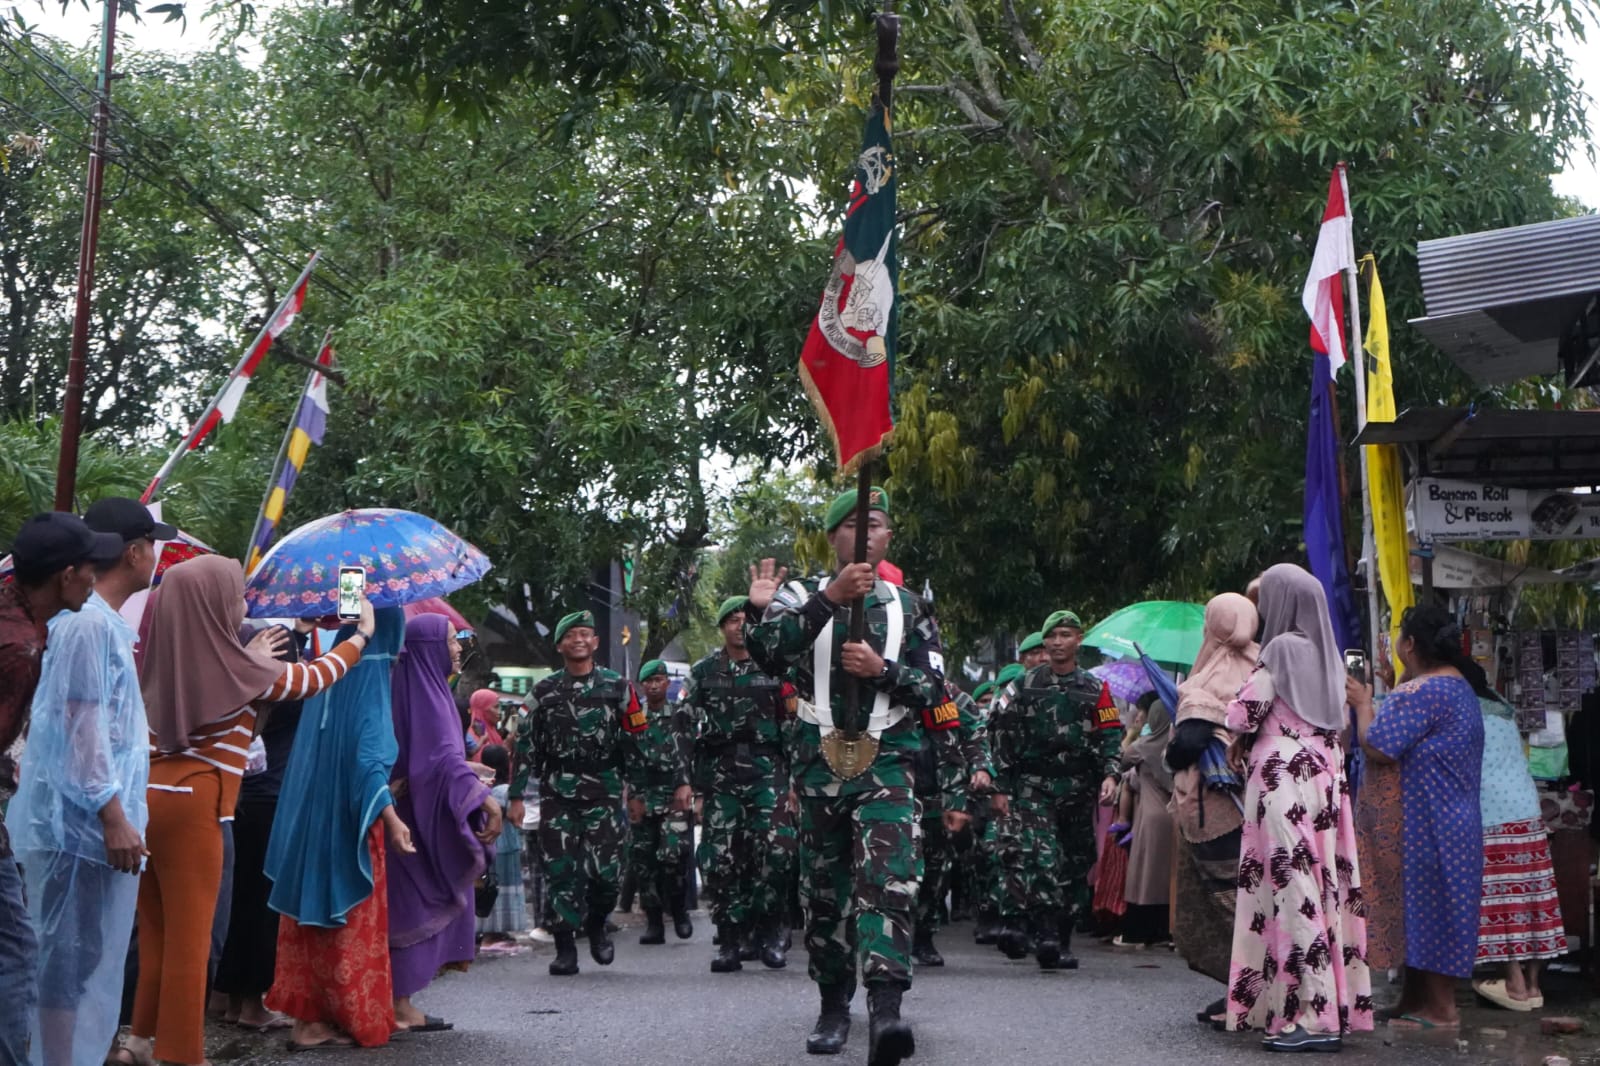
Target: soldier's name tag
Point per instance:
(945, 716)
(1105, 711)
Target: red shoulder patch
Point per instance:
(1105, 712)
(634, 719)
(945, 716)
(789, 699)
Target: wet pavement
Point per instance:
(661, 1005)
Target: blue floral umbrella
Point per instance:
(408, 557)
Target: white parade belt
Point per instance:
(850, 757)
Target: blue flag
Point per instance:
(1324, 519)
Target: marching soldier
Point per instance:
(1030, 653)
(939, 833)
(1056, 740)
(580, 737)
(858, 822)
(997, 840)
(659, 822)
(741, 773)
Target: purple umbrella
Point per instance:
(1126, 678)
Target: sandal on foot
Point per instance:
(1416, 1021)
(330, 1044)
(1497, 993)
(430, 1024)
(1298, 1038)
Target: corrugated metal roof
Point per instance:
(1498, 301)
(1518, 449)
(1488, 352)
(1496, 268)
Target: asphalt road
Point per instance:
(661, 1005)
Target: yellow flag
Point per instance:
(1384, 482)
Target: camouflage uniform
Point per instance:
(579, 738)
(936, 778)
(656, 842)
(858, 838)
(1052, 748)
(740, 771)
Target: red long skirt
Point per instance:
(341, 976)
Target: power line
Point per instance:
(138, 160)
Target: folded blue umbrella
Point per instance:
(1160, 680)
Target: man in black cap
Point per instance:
(77, 823)
(54, 557)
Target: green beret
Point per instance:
(729, 605)
(982, 690)
(652, 668)
(845, 502)
(1009, 674)
(576, 618)
(1030, 642)
(1061, 618)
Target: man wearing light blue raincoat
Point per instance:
(78, 820)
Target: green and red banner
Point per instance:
(847, 363)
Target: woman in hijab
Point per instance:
(1431, 725)
(452, 817)
(326, 858)
(1148, 889)
(1299, 968)
(1207, 795)
(201, 691)
(484, 725)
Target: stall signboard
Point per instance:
(1476, 510)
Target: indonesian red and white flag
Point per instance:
(1323, 296)
(227, 404)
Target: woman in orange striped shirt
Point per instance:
(201, 691)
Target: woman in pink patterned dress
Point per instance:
(1299, 969)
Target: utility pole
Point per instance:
(88, 241)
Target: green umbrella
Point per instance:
(1169, 631)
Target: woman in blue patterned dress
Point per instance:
(1432, 727)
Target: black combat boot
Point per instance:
(750, 942)
(1069, 961)
(774, 956)
(600, 947)
(565, 964)
(726, 959)
(654, 931)
(922, 950)
(987, 928)
(1048, 949)
(891, 1038)
(677, 892)
(1012, 941)
(833, 1023)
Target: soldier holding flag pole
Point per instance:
(853, 759)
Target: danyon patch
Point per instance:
(945, 716)
(1105, 712)
(789, 699)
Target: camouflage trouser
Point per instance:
(937, 864)
(1046, 848)
(582, 846)
(974, 861)
(783, 862)
(858, 880)
(739, 853)
(655, 856)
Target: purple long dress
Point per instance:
(431, 919)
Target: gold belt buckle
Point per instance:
(849, 757)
